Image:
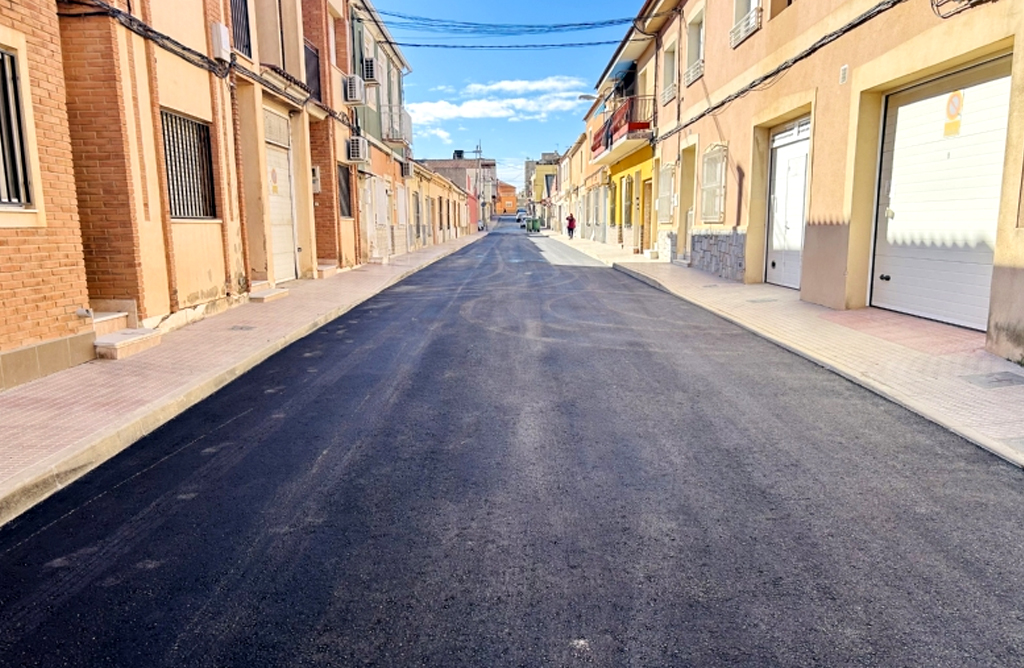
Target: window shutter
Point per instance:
(712, 205)
(665, 184)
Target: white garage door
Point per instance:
(941, 177)
(279, 184)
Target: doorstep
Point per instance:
(125, 343)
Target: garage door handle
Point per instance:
(885, 277)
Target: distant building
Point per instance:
(477, 175)
(507, 201)
(541, 183)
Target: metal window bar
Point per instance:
(313, 71)
(745, 27)
(14, 184)
(694, 72)
(240, 27)
(344, 192)
(187, 153)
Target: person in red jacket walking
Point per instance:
(570, 224)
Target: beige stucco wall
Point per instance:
(200, 269)
(909, 43)
(148, 195)
(183, 86)
(254, 159)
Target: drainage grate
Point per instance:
(242, 328)
(762, 300)
(991, 381)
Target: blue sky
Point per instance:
(515, 103)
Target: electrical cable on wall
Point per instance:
(945, 9)
(821, 43)
(218, 68)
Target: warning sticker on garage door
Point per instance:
(954, 107)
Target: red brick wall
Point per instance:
(314, 29)
(342, 38)
(321, 137)
(42, 275)
(100, 143)
(326, 213)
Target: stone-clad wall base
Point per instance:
(666, 245)
(720, 252)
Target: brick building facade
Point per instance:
(42, 270)
(170, 160)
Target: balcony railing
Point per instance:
(668, 94)
(745, 27)
(694, 72)
(396, 124)
(313, 71)
(629, 116)
(240, 27)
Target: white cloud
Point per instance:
(520, 86)
(443, 89)
(516, 108)
(443, 135)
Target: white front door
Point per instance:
(282, 222)
(939, 191)
(787, 203)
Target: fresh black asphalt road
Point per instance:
(518, 457)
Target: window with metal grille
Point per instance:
(344, 191)
(14, 186)
(189, 167)
(313, 70)
(240, 27)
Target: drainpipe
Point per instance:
(161, 165)
(243, 220)
(679, 70)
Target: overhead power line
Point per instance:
(785, 66)
(506, 47)
(429, 24)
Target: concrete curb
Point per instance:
(992, 445)
(52, 474)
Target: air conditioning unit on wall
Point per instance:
(358, 149)
(407, 170)
(355, 90)
(370, 72)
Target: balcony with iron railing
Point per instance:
(396, 124)
(629, 126)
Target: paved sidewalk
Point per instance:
(939, 371)
(56, 429)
